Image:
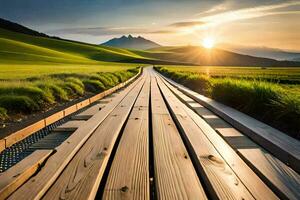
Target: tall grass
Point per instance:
(3, 114)
(27, 96)
(266, 101)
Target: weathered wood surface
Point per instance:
(129, 174)
(213, 156)
(175, 176)
(281, 145)
(39, 184)
(14, 177)
(81, 177)
(282, 179)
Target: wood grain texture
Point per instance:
(15, 176)
(129, 174)
(81, 177)
(281, 145)
(279, 177)
(39, 184)
(221, 178)
(175, 176)
(283, 179)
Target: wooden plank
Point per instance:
(81, 177)
(279, 177)
(96, 97)
(15, 176)
(81, 117)
(83, 104)
(70, 110)
(36, 187)
(2, 145)
(129, 174)
(281, 145)
(92, 110)
(20, 135)
(70, 126)
(175, 176)
(53, 118)
(285, 180)
(225, 181)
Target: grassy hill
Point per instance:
(213, 57)
(24, 56)
(38, 73)
(17, 47)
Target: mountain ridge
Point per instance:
(131, 42)
(15, 27)
(266, 52)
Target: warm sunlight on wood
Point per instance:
(208, 42)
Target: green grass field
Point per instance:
(19, 72)
(268, 94)
(37, 73)
(42, 92)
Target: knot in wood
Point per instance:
(102, 154)
(124, 189)
(215, 159)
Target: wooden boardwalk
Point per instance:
(156, 139)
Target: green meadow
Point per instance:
(268, 94)
(37, 73)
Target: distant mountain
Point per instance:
(201, 56)
(11, 26)
(265, 52)
(296, 59)
(131, 43)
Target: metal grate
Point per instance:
(20, 150)
(17, 152)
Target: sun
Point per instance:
(208, 42)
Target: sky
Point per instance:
(262, 23)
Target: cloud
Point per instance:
(101, 31)
(217, 8)
(249, 13)
(163, 32)
(187, 24)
